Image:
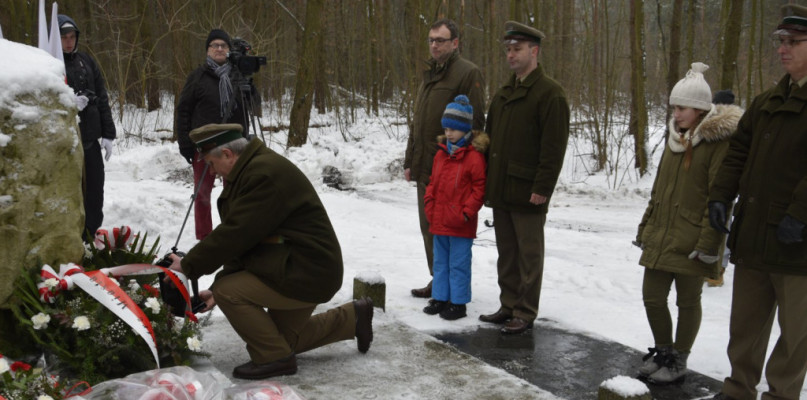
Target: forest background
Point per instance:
(617, 60)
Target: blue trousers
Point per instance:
(452, 269)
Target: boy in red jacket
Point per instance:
(453, 198)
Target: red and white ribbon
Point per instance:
(121, 238)
(52, 283)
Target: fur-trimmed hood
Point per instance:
(480, 140)
(718, 125)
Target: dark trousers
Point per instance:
(201, 206)
(275, 326)
(520, 242)
(757, 298)
(655, 291)
(93, 190)
(428, 238)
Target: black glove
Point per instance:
(638, 244)
(188, 153)
(717, 216)
(789, 230)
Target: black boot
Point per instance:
(453, 311)
(435, 306)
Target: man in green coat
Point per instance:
(528, 124)
(766, 165)
(280, 255)
(448, 76)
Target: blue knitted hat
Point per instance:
(458, 115)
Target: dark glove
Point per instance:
(789, 230)
(189, 153)
(717, 216)
(638, 244)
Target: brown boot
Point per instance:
(250, 370)
(423, 293)
(716, 282)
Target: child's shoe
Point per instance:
(453, 311)
(435, 307)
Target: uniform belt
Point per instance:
(273, 239)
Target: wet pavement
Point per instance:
(569, 365)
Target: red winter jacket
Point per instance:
(457, 188)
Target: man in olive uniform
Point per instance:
(280, 255)
(448, 75)
(528, 124)
(766, 165)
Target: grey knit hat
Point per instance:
(693, 91)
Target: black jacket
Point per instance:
(85, 78)
(199, 104)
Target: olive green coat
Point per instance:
(766, 165)
(676, 221)
(265, 197)
(439, 87)
(529, 128)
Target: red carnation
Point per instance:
(19, 365)
(154, 292)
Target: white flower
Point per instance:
(44, 397)
(133, 285)
(40, 320)
(81, 323)
(153, 304)
(51, 283)
(4, 365)
(194, 344)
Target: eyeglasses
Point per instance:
(439, 40)
(223, 46)
(787, 42)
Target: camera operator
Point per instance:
(84, 77)
(208, 96)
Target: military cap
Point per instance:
(210, 136)
(515, 32)
(794, 18)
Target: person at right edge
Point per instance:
(678, 245)
(528, 125)
(207, 97)
(766, 165)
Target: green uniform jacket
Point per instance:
(766, 165)
(439, 87)
(266, 197)
(676, 221)
(529, 128)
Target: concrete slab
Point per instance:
(567, 364)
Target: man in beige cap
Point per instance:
(528, 124)
(766, 164)
(447, 76)
(280, 256)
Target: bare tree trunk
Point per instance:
(731, 43)
(690, 46)
(637, 127)
(675, 55)
(304, 86)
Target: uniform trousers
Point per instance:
(452, 269)
(756, 296)
(428, 238)
(201, 206)
(93, 190)
(520, 243)
(655, 291)
(275, 326)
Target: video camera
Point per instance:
(171, 294)
(246, 64)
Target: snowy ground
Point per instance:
(592, 281)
